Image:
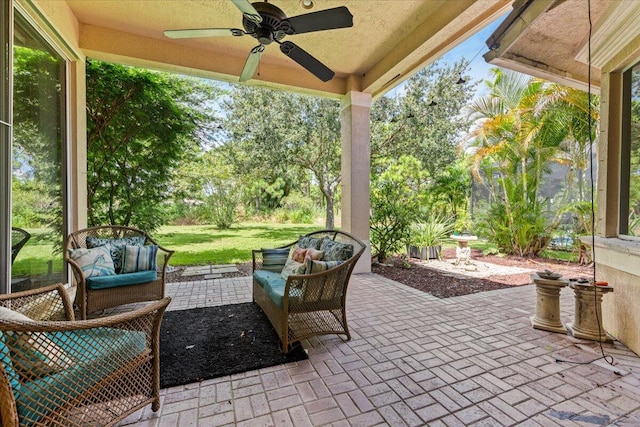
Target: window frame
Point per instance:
(625, 155)
(11, 11)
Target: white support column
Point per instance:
(78, 146)
(356, 157)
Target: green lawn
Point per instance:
(34, 257)
(205, 244)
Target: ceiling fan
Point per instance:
(268, 23)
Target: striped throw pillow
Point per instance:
(139, 258)
(274, 259)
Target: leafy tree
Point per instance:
(397, 191)
(424, 121)
(285, 136)
(450, 193)
(140, 125)
(208, 181)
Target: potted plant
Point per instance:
(425, 241)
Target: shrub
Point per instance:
(296, 208)
(431, 231)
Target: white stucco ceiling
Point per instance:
(389, 41)
(548, 38)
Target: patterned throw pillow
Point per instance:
(336, 251)
(313, 266)
(139, 258)
(94, 262)
(305, 242)
(292, 267)
(115, 247)
(274, 259)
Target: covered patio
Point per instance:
(414, 359)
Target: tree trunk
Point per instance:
(329, 222)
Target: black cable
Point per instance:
(608, 359)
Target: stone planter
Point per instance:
(424, 253)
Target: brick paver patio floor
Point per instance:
(414, 360)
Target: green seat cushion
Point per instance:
(96, 353)
(273, 286)
(125, 279)
(267, 279)
(5, 360)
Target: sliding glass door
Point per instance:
(38, 167)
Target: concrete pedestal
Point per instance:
(547, 315)
(586, 324)
(463, 251)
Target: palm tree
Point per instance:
(522, 124)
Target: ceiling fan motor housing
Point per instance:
(266, 31)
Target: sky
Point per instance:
(474, 47)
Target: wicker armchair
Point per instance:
(76, 373)
(312, 304)
(93, 299)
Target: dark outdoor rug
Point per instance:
(211, 342)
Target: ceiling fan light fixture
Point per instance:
(267, 23)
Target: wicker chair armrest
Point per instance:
(304, 278)
(257, 258)
(75, 269)
(128, 320)
(46, 303)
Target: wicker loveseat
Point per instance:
(308, 304)
(56, 371)
(98, 290)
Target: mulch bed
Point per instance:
(433, 281)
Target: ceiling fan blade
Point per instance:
(338, 17)
(303, 58)
(248, 10)
(203, 32)
(252, 63)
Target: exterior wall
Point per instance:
(617, 260)
(620, 314)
